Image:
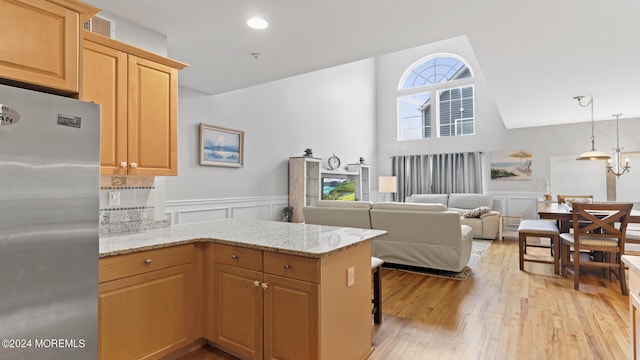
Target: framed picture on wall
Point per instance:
(511, 165)
(220, 146)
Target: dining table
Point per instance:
(563, 214)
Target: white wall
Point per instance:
(491, 135)
(330, 111)
(349, 110)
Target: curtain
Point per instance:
(438, 173)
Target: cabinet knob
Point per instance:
(256, 283)
(287, 266)
(134, 165)
(147, 262)
(234, 257)
(123, 164)
(265, 286)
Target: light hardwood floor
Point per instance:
(499, 312)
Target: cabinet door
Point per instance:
(104, 81)
(147, 316)
(152, 118)
(291, 312)
(634, 305)
(237, 310)
(39, 44)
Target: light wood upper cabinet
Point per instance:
(138, 92)
(40, 43)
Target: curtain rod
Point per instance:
(467, 152)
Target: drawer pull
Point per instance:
(234, 257)
(287, 266)
(265, 286)
(256, 283)
(147, 262)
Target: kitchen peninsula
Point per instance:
(256, 289)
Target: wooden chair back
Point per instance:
(601, 221)
(563, 198)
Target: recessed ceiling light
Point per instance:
(257, 23)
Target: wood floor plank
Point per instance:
(499, 312)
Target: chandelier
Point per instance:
(592, 154)
(619, 168)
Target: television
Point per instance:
(336, 188)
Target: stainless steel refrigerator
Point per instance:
(49, 210)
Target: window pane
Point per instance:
(467, 106)
(456, 111)
(415, 115)
(436, 70)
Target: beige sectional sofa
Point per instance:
(424, 235)
(484, 227)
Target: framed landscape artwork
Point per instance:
(220, 146)
(511, 165)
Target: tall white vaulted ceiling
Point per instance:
(534, 55)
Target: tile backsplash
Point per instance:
(132, 206)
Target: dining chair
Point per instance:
(570, 199)
(562, 199)
(597, 231)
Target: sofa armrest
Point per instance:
(490, 224)
(490, 213)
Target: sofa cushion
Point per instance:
(408, 206)
(428, 198)
(469, 201)
(474, 213)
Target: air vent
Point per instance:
(100, 25)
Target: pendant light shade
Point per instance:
(592, 154)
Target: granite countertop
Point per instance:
(292, 238)
(633, 261)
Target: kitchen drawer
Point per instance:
(120, 266)
(238, 256)
(292, 266)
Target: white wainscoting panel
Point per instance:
(199, 210)
(517, 203)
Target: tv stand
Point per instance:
(305, 182)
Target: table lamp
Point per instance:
(387, 184)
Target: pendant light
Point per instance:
(619, 169)
(592, 154)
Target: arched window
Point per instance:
(436, 98)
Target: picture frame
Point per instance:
(511, 165)
(221, 146)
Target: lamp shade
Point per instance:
(594, 155)
(387, 184)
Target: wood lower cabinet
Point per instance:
(238, 310)
(138, 94)
(40, 43)
(267, 305)
(291, 328)
(148, 303)
(634, 303)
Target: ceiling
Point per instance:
(535, 55)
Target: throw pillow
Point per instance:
(476, 212)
